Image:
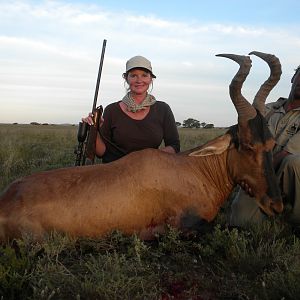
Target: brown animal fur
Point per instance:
(137, 194)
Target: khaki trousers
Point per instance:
(245, 210)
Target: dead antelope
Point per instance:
(145, 190)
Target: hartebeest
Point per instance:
(147, 189)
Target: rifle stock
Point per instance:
(90, 146)
(87, 134)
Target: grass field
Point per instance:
(262, 262)
(26, 149)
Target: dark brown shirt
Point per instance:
(131, 135)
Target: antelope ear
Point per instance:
(216, 146)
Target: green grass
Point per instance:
(262, 262)
(218, 264)
(26, 149)
(191, 137)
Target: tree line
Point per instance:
(193, 123)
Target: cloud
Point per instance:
(50, 50)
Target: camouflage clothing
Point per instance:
(285, 128)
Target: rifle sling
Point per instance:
(122, 151)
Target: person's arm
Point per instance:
(171, 136)
(291, 147)
(100, 145)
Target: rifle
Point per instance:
(87, 134)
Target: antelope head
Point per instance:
(251, 157)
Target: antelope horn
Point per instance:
(268, 85)
(244, 109)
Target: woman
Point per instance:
(138, 121)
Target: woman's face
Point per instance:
(139, 81)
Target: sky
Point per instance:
(50, 52)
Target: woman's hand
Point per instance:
(168, 149)
(90, 121)
(100, 146)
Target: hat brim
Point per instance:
(140, 68)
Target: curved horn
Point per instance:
(268, 85)
(244, 109)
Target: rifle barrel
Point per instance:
(99, 75)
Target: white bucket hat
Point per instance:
(139, 62)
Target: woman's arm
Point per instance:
(100, 145)
(171, 136)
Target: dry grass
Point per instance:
(25, 149)
(218, 263)
(191, 137)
